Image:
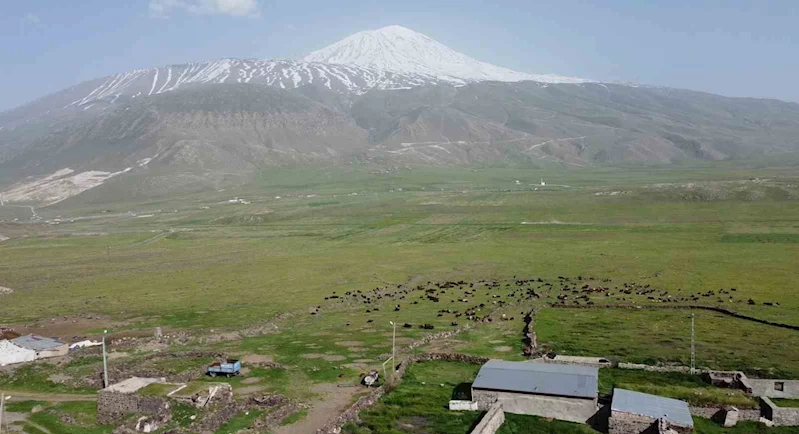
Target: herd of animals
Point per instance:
(563, 291)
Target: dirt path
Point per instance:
(332, 403)
(48, 397)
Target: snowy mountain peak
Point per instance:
(402, 50)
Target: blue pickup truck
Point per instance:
(228, 369)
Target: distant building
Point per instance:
(565, 392)
(43, 347)
(11, 354)
(636, 412)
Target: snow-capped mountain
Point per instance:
(389, 58)
(401, 50)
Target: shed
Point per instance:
(43, 346)
(11, 354)
(636, 412)
(565, 392)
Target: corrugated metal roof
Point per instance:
(657, 407)
(539, 378)
(37, 343)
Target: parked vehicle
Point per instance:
(228, 369)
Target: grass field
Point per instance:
(200, 264)
(663, 336)
(784, 402)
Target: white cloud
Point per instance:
(291, 27)
(31, 19)
(236, 8)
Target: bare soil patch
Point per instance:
(249, 390)
(255, 359)
(251, 380)
(64, 327)
(59, 378)
(328, 357)
(349, 343)
(503, 349)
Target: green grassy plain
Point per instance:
(198, 263)
(664, 336)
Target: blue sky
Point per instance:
(731, 47)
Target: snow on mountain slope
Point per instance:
(99, 95)
(398, 49)
(279, 73)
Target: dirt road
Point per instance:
(332, 403)
(47, 397)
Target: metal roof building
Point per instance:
(654, 407)
(37, 343)
(538, 378)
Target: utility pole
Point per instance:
(393, 344)
(693, 344)
(105, 362)
(2, 409)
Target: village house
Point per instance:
(565, 392)
(42, 346)
(636, 412)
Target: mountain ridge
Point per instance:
(197, 125)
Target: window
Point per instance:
(779, 386)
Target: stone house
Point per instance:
(44, 347)
(118, 400)
(636, 412)
(565, 392)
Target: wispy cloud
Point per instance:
(31, 19)
(236, 8)
(291, 27)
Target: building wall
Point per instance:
(63, 350)
(766, 388)
(779, 415)
(11, 354)
(569, 409)
(629, 423)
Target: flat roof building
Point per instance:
(565, 392)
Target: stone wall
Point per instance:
(351, 414)
(459, 405)
(450, 357)
(213, 420)
(563, 408)
(628, 423)
(113, 406)
(781, 416)
(651, 368)
(716, 412)
(491, 421)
